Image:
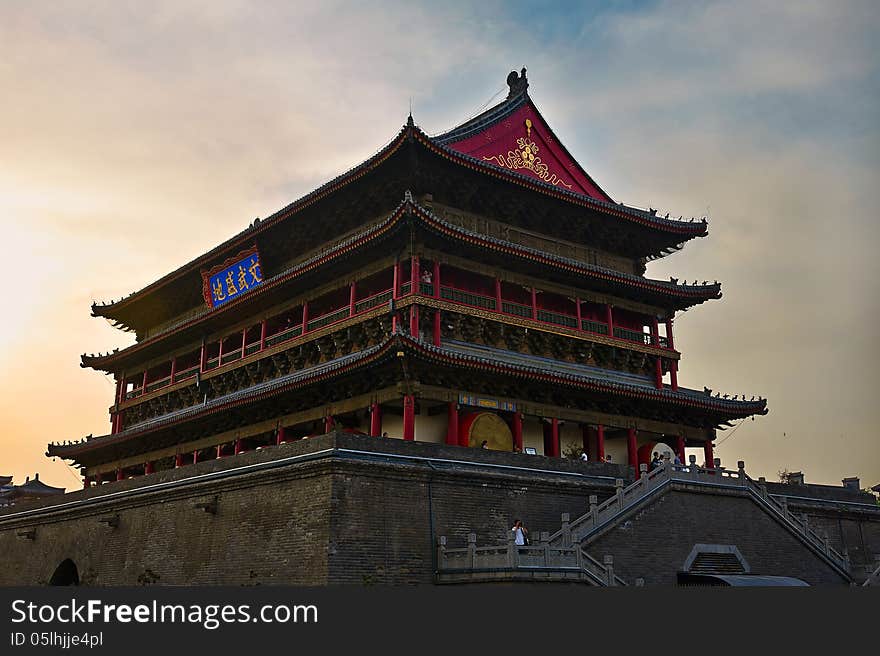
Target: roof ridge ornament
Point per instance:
(517, 83)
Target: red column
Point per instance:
(243, 341)
(551, 438)
(437, 328)
(679, 449)
(280, 436)
(673, 375)
(658, 373)
(669, 341)
(148, 468)
(409, 418)
(173, 370)
(329, 423)
(609, 319)
(414, 321)
(220, 353)
(710, 456)
(395, 285)
(144, 384)
(655, 332)
(178, 460)
(203, 357)
(497, 294)
(414, 276)
(120, 476)
(352, 296)
(86, 482)
(631, 451)
(452, 437)
(237, 446)
(517, 430)
(580, 325)
(375, 419)
(195, 457)
(305, 317)
(436, 279)
(263, 335)
(219, 451)
(534, 304)
(600, 442)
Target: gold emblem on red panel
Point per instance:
(526, 157)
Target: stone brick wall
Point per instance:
(655, 542)
(356, 510)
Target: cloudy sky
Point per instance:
(134, 137)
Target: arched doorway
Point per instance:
(65, 574)
(646, 452)
(489, 427)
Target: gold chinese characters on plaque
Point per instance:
(526, 157)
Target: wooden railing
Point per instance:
(454, 294)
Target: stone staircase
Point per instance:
(626, 502)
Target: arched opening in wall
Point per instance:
(480, 427)
(65, 574)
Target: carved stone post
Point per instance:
(512, 559)
(594, 510)
(566, 531)
(472, 550)
(545, 542)
(441, 552)
(741, 471)
(609, 569)
(618, 491)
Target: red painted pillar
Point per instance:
(395, 293)
(329, 423)
(710, 456)
(452, 437)
(120, 475)
(219, 451)
(497, 294)
(679, 449)
(658, 373)
(414, 276)
(243, 341)
(580, 322)
(437, 328)
(203, 357)
(600, 442)
(144, 384)
(148, 468)
(655, 332)
(87, 483)
(375, 419)
(551, 438)
(669, 342)
(673, 375)
(280, 436)
(263, 335)
(220, 353)
(436, 279)
(609, 319)
(196, 457)
(178, 460)
(414, 321)
(517, 430)
(409, 418)
(352, 296)
(173, 370)
(534, 304)
(305, 317)
(632, 457)
(238, 448)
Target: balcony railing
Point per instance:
(454, 294)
